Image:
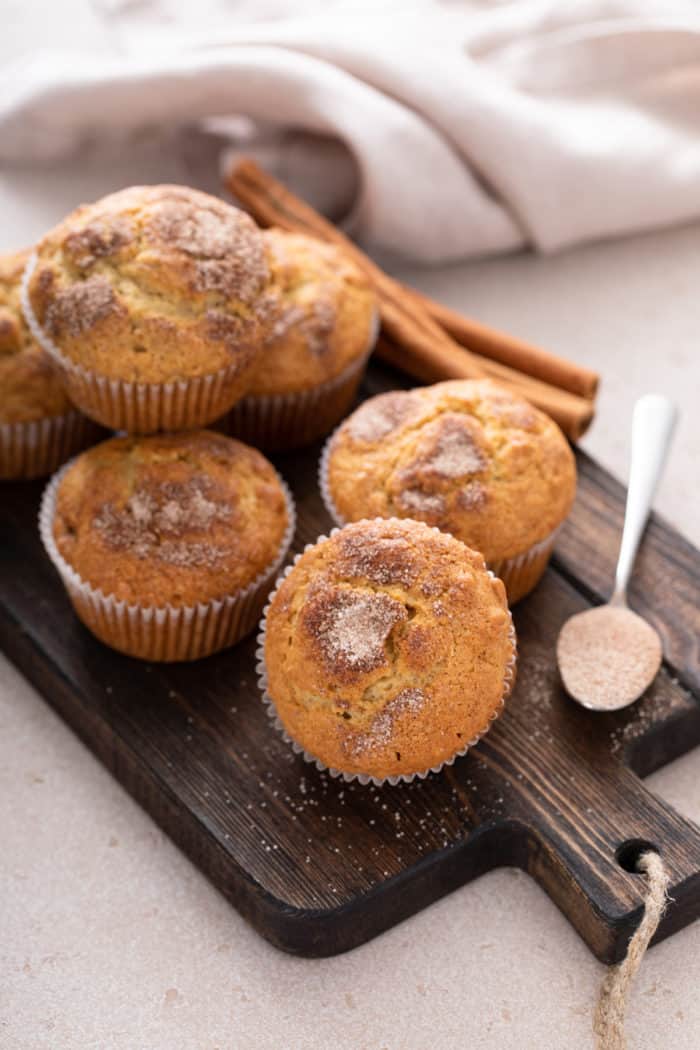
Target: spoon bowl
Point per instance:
(608, 657)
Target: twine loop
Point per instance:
(609, 1020)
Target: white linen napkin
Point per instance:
(437, 130)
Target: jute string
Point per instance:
(609, 1021)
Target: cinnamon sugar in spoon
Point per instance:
(608, 656)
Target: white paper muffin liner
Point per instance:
(141, 408)
(520, 574)
(275, 422)
(39, 447)
(364, 778)
(166, 633)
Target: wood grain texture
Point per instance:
(318, 866)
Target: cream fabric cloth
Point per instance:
(438, 130)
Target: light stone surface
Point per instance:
(109, 938)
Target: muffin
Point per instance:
(39, 427)
(168, 544)
(325, 325)
(387, 650)
(465, 456)
(154, 303)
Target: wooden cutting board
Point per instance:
(318, 866)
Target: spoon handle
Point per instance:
(653, 423)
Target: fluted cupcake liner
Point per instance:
(523, 572)
(364, 778)
(284, 421)
(520, 574)
(166, 633)
(39, 447)
(140, 408)
(275, 422)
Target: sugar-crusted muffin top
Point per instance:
(324, 310)
(388, 648)
(154, 284)
(464, 455)
(171, 518)
(29, 386)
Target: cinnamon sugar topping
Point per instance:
(516, 414)
(80, 306)
(418, 502)
(381, 728)
(455, 450)
(385, 560)
(99, 240)
(315, 323)
(225, 242)
(351, 628)
(229, 329)
(155, 521)
(473, 496)
(287, 317)
(379, 416)
(319, 324)
(451, 448)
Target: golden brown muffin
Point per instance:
(388, 648)
(154, 284)
(30, 388)
(306, 379)
(324, 311)
(465, 456)
(170, 519)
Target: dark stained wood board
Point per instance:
(318, 866)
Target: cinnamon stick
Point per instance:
(572, 413)
(508, 350)
(412, 339)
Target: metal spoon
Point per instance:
(608, 656)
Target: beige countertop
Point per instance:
(109, 938)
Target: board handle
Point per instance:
(586, 859)
(577, 819)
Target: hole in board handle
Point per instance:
(628, 853)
